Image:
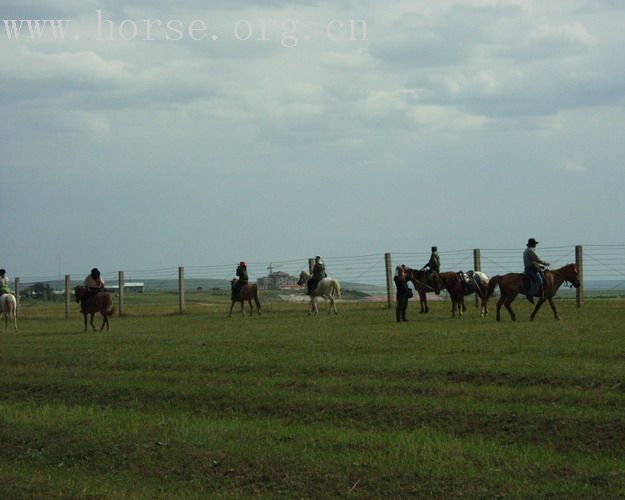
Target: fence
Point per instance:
(370, 275)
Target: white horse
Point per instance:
(480, 281)
(328, 288)
(9, 310)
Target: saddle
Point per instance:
(527, 284)
(466, 280)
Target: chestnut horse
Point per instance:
(511, 284)
(453, 284)
(420, 281)
(246, 294)
(101, 303)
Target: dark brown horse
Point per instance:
(246, 294)
(453, 283)
(99, 303)
(511, 284)
(422, 285)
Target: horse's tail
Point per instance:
(257, 296)
(336, 288)
(110, 308)
(492, 283)
(11, 307)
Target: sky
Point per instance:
(269, 132)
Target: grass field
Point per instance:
(284, 405)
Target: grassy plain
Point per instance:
(283, 405)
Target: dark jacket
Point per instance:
(403, 290)
(242, 275)
(434, 264)
(319, 271)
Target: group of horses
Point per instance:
(510, 286)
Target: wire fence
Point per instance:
(365, 275)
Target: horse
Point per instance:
(246, 294)
(328, 288)
(101, 303)
(420, 281)
(9, 310)
(511, 284)
(452, 282)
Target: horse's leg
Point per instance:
(85, 316)
(91, 321)
(508, 304)
(242, 308)
(231, 307)
(104, 322)
(251, 308)
(539, 304)
(500, 303)
(553, 308)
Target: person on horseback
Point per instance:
(533, 268)
(403, 293)
(433, 267)
(94, 285)
(4, 283)
(318, 273)
(241, 281)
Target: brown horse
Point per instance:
(101, 303)
(246, 294)
(457, 292)
(511, 284)
(452, 282)
(421, 284)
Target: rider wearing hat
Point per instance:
(94, 284)
(533, 266)
(433, 267)
(318, 273)
(241, 281)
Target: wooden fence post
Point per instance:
(477, 266)
(17, 295)
(389, 279)
(121, 281)
(181, 304)
(68, 295)
(579, 263)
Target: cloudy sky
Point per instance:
(462, 123)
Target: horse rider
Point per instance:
(533, 268)
(242, 280)
(318, 273)
(94, 285)
(403, 293)
(433, 266)
(4, 283)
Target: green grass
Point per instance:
(283, 405)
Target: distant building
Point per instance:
(277, 281)
(129, 286)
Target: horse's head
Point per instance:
(303, 278)
(79, 292)
(571, 275)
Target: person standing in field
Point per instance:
(403, 293)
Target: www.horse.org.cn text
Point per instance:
(288, 33)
